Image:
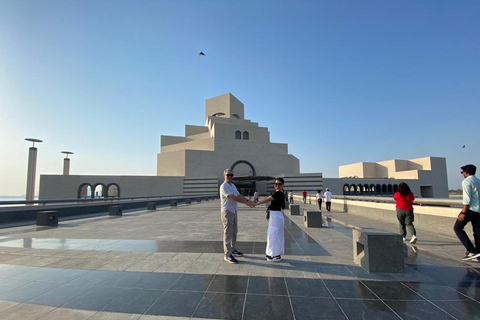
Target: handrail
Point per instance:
(417, 201)
(108, 199)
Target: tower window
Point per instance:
(245, 135)
(238, 135)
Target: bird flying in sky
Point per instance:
(463, 146)
(201, 53)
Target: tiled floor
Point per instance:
(244, 297)
(142, 269)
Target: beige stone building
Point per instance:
(194, 163)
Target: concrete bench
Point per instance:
(188, 201)
(199, 199)
(151, 206)
(47, 218)
(378, 251)
(115, 211)
(294, 209)
(173, 203)
(312, 218)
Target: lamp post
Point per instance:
(66, 163)
(32, 168)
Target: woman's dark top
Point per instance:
(278, 202)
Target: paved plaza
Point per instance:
(168, 264)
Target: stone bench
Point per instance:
(173, 203)
(47, 218)
(151, 206)
(378, 251)
(312, 218)
(115, 211)
(188, 201)
(294, 209)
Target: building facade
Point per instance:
(194, 163)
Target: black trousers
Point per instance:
(474, 218)
(320, 204)
(329, 205)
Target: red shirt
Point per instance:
(304, 194)
(404, 202)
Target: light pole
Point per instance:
(32, 168)
(66, 163)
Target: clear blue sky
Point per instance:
(338, 81)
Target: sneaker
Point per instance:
(413, 240)
(476, 256)
(237, 253)
(230, 259)
(277, 259)
(269, 258)
(404, 239)
(468, 256)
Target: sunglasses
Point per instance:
(229, 175)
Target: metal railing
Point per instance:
(92, 200)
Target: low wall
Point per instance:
(436, 218)
(27, 214)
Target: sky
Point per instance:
(339, 81)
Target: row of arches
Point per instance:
(98, 190)
(238, 135)
(369, 189)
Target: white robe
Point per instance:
(275, 234)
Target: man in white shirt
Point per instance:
(328, 199)
(229, 196)
(469, 213)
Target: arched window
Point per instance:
(113, 190)
(395, 187)
(366, 189)
(390, 189)
(218, 114)
(359, 189)
(372, 190)
(378, 190)
(84, 191)
(238, 135)
(99, 191)
(384, 189)
(346, 190)
(236, 116)
(352, 189)
(245, 135)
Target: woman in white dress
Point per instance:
(275, 233)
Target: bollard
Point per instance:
(47, 218)
(294, 209)
(115, 211)
(312, 219)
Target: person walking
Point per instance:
(404, 206)
(229, 196)
(319, 199)
(290, 195)
(328, 199)
(304, 196)
(275, 233)
(256, 195)
(470, 213)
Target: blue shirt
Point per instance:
(471, 193)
